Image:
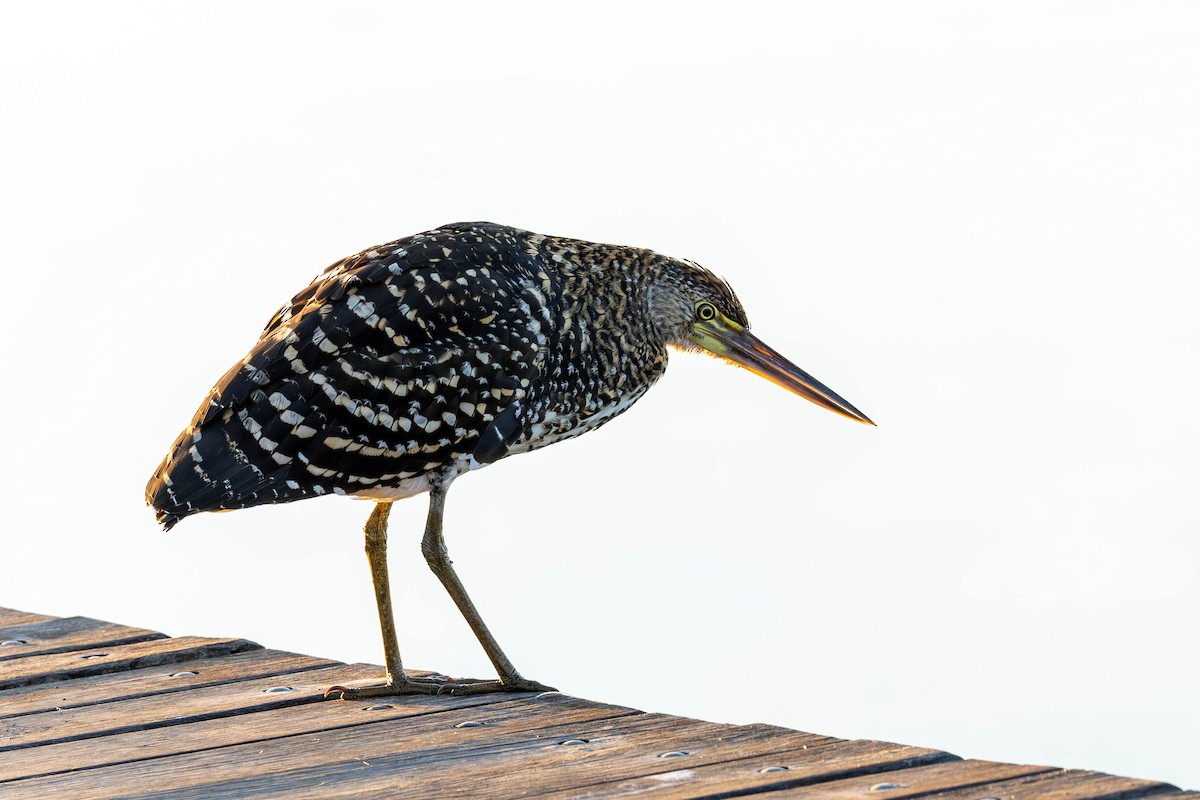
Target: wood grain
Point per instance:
(747, 771)
(107, 659)
(670, 748)
(160, 710)
(293, 762)
(209, 734)
(11, 616)
(971, 779)
(172, 665)
(66, 634)
(1064, 784)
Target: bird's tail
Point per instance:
(161, 494)
(208, 468)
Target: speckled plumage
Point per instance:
(436, 353)
(404, 366)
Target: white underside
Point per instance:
(407, 488)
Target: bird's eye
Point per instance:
(706, 311)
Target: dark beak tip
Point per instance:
(864, 419)
(858, 416)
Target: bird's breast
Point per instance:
(589, 381)
(555, 427)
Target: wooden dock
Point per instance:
(91, 709)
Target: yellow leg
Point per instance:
(397, 681)
(433, 546)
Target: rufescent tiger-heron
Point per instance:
(409, 364)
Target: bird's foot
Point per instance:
(513, 683)
(406, 686)
(391, 688)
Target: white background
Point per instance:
(978, 222)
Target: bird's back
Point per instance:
(404, 358)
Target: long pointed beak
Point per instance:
(726, 339)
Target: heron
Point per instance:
(409, 364)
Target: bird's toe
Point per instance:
(396, 688)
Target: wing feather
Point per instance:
(390, 364)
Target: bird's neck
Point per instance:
(607, 344)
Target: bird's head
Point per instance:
(697, 311)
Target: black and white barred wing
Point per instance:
(405, 359)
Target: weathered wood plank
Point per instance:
(1070, 784)
(11, 616)
(224, 732)
(60, 666)
(961, 779)
(173, 668)
(421, 765)
(615, 751)
(159, 710)
(745, 771)
(193, 737)
(312, 758)
(65, 634)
